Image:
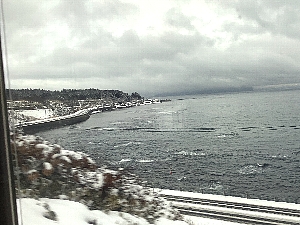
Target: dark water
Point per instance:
(241, 144)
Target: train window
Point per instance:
(145, 112)
(7, 193)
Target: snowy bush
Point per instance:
(46, 170)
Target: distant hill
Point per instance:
(278, 87)
(209, 91)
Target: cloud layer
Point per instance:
(152, 46)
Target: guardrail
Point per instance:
(236, 211)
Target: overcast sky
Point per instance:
(152, 46)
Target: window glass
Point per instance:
(117, 107)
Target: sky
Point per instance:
(152, 47)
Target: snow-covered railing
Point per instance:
(233, 208)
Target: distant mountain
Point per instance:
(278, 87)
(208, 91)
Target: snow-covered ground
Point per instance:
(20, 116)
(35, 212)
(36, 113)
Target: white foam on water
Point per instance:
(124, 160)
(189, 153)
(145, 161)
(250, 169)
(127, 144)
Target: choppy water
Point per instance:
(241, 144)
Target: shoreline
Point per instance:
(32, 127)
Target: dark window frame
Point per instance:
(8, 206)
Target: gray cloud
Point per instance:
(83, 44)
(275, 16)
(175, 18)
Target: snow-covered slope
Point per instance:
(64, 212)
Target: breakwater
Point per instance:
(49, 123)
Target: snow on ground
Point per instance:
(194, 220)
(34, 212)
(36, 113)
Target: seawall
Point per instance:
(49, 123)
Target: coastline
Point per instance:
(31, 127)
(49, 123)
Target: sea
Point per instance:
(236, 144)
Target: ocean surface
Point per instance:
(238, 144)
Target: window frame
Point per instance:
(8, 206)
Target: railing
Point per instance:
(234, 209)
